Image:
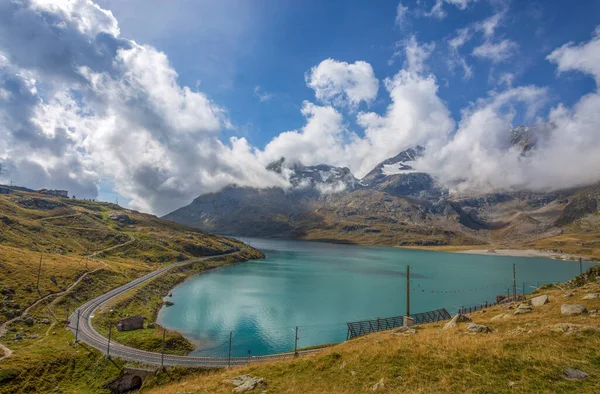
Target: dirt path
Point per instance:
(4, 326)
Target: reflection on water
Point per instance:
(320, 287)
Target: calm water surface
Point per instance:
(319, 287)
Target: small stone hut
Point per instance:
(130, 323)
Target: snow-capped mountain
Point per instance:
(323, 178)
(398, 177)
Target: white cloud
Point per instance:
(496, 52)
(437, 10)
(489, 25)
(110, 107)
(479, 157)
(401, 13)
(416, 55)
(416, 115)
(262, 95)
(455, 59)
(343, 84)
(583, 57)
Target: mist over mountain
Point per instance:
(396, 203)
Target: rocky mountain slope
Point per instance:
(394, 204)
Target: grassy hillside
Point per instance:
(524, 353)
(87, 248)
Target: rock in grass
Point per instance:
(472, 327)
(539, 301)
(246, 383)
(568, 294)
(572, 309)
(404, 330)
(591, 296)
(458, 318)
(523, 308)
(574, 374)
(378, 385)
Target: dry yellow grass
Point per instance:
(19, 270)
(522, 355)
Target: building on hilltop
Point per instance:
(4, 190)
(57, 193)
(130, 323)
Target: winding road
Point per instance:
(80, 323)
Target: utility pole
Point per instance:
(248, 356)
(39, 272)
(296, 343)
(109, 335)
(230, 338)
(515, 281)
(77, 326)
(523, 288)
(162, 352)
(580, 266)
(408, 290)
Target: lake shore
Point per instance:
(521, 253)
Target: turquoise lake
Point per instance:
(319, 287)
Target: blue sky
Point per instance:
(155, 102)
(277, 42)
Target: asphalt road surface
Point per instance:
(80, 322)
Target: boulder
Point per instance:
(523, 308)
(472, 327)
(458, 318)
(568, 294)
(572, 309)
(591, 296)
(540, 300)
(594, 313)
(574, 374)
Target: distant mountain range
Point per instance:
(394, 204)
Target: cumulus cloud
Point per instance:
(107, 106)
(583, 57)
(479, 156)
(342, 83)
(416, 115)
(497, 52)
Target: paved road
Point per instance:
(82, 316)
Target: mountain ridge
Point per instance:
(395, 204)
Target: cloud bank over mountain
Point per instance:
(80, 104)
